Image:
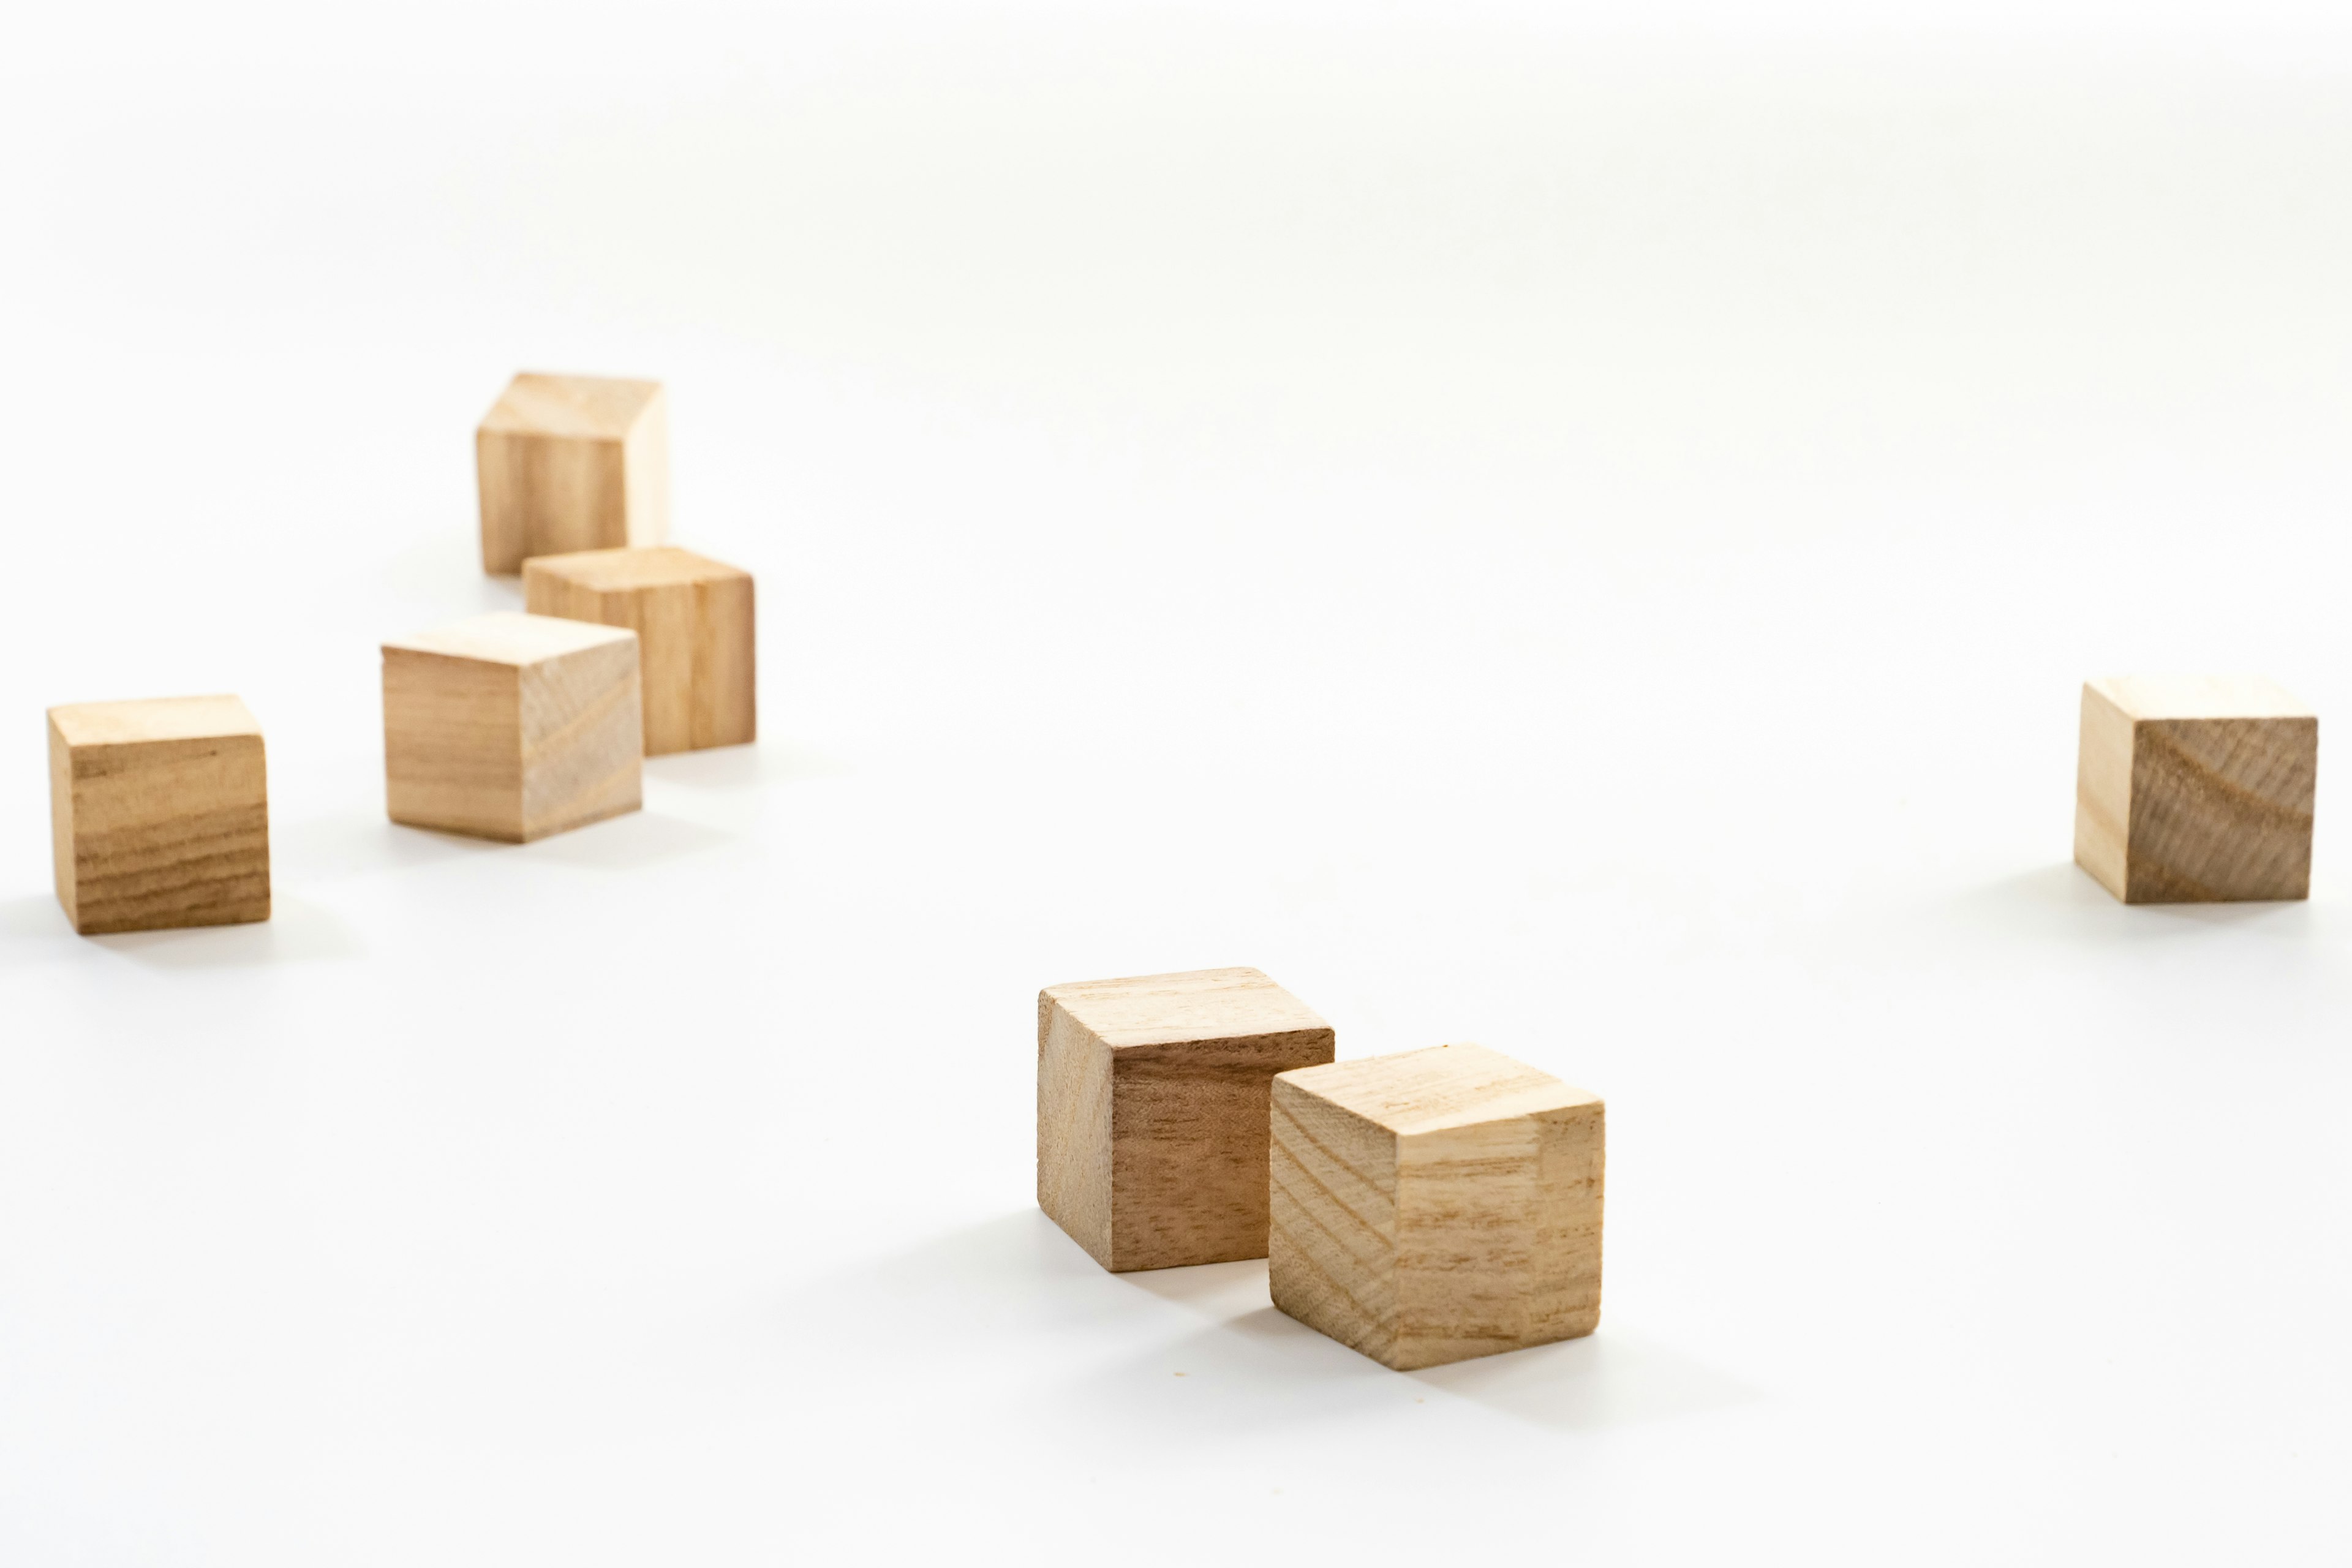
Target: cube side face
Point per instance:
(61, 841)
(663, 618)
(548, 495)
(2103, 792)
(165, 834)
(1331, 1246)
(582, 737)
(2221, 809)
(1189, 1146)
(646, 474)
(453, 744)
(726, 664)
(1074, 1128)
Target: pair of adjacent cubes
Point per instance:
(1421, 1208)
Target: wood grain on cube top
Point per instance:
(572, 462)
(1151, 1110)
(159, 814)
(1436, 1204)
(512, 726)
(695, 619)
(2196, 789)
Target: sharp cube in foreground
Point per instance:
(693, 620)
(512, 727)
(159, 814)
(1151, 1111)
(1436, 1205)
(572, 462)
(2195, 789)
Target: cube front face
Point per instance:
(1152, 1096)
(497, 727)
(694, 621)
(160, 815)
(2196, 791)
(1436, 1205)
(572, 463)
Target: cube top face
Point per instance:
(155, 719)
(159, 814)
(576, 407)
(1152, 1097)
(511, 637)
(1197, 1005)
(624, 570)
(1435, 1205)
(1436, 1089)
(2141, 697)
(2196, 790)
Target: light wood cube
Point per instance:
(2195, 789)
(512, 727)
(693, 620)
(1151, 1111)
(572, 462)
(1436, 1205)
(159, 814)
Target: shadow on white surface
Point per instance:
(1608, 1379)
(2063, 897)
(628, 842)
(741, 767)
(326, 848)
(297, 931)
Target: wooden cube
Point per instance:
(1151, 1111)
(572, 462)
(2195, 789)
(512, 727)
(693, 620)
(1436, 1205)
(159, 812)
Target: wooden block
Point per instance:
(2195, 789)
(572, 462)
(693, 620)
(512, 726)
(1436, 1205)
(159, 814)
(1151, 1111)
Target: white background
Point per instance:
(1579, 530)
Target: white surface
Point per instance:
(1578, 538)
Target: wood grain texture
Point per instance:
(2195, 789)
(693, 618)
(159, 814)
(1436, 1205)
(569, 463)
(512, 726)
(1151, 1111)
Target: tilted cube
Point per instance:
(693, 620)
(1151, 1111)
(512, 726)
(572, 462)
(159, 814)
(2195, 789)
(1436, 1205)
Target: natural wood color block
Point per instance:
(512, 726)
(159, 814)
(1436, 1205)
(572, 462)
(2195, 789)
(1151, 1111)
(693, 620)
